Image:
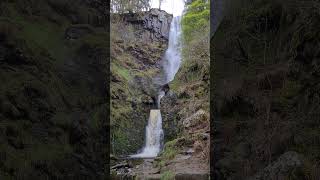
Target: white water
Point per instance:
(154, 136)
(161, 94)
(172, 60)
(173, 53)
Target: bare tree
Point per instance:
(123, 6)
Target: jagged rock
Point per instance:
(159, 22)
(281, 168)
(156, 22)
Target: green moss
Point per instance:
(117, 69)
(169, 152)
(167, 175)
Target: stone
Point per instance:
(196, 118)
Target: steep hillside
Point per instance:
(185, 108)
(266, 93)
(53, 68)
(137, 45)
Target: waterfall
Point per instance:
(173, 53)
(171, 64)
(154, 136)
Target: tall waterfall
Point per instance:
(173, 53)
(171, 64)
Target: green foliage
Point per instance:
(167, 175)
(193, 75)
(197, 17)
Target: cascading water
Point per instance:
(154, 136)
(172, 59)
(173, 53)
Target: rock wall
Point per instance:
(156, 24)
(137, 46)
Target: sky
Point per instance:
(174, 7)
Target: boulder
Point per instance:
(196, 118)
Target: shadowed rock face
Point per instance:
(156, 21)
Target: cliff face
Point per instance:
(265, 99)
(53, 64)
(137, 46)
(155, 24)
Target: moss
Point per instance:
(169, 152)
(167, 175)
(116, 69)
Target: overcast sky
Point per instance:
(174, 7)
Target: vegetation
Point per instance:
(167, 175)
(170, 150)
(194, 71)
(196, 19)
(121, 6)
(263, 97)
(53, 107)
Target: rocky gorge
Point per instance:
(184, 107)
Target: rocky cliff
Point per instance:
(137, 46)
(53, 64)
